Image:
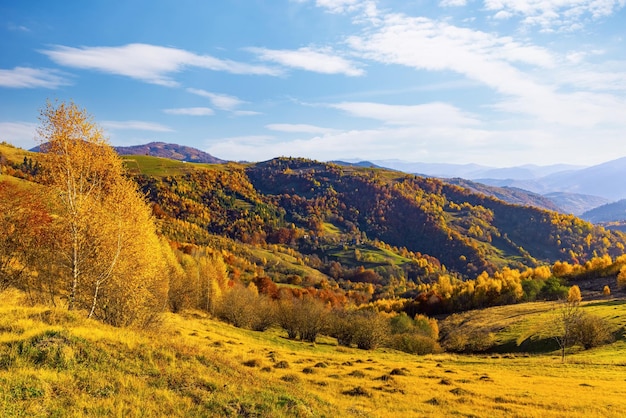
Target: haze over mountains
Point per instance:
(600, 180)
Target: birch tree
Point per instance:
(108, 249)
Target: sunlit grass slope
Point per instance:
(155, 166)
(55, 363)
(14, 154)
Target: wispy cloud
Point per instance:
(452, 3)
(21, 134)
(135, 125)
(149, 63)
(554, 15)
(338, 6)
(323, 61)
(492, 61)
(190, 111)
(221, 101)
(24, 77)
(246, 113)
(17, 28)
(299, 128)
(423, 114)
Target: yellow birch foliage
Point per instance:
(108, 251)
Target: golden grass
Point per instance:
(14, 154)
(192, 365)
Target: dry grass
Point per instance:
(195, 366)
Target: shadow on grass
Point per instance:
(614, 302)
(530, 345)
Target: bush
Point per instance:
(264, 314)
(553, 289)
(342, 327)
(237, 306)
(592, 331)
(367, 329)
(372, 330)
(302, 318)
(414, 344)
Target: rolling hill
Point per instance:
(171, 151)
(319, 208)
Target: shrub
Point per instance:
(238, 306)
(592, 331)
(553, 289)
(606, 291)
(264, 314)
(303, 318)
(372, 329)
(367, 329)
(415, 344)
(342, 327)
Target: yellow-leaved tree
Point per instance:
(109, 255)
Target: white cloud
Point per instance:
(452, 3)
(23, 77)
(20, 134)
(221, 101)
(554, 15)
(149, 63)
(190, 111)
(323, 61)
(424, 114)
(338, 6)
(135, 125)
(299, 128)
(246, 113)
(424, 44)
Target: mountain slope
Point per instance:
(171, 151)
(611, 212)
(511, 195)
(575, 203)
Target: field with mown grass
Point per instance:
(57, 363)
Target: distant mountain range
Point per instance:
(475, 171)
(602, 180)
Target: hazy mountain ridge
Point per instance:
(609, 212)
(511, 195)
(599, 180)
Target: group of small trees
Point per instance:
(307, 317)
(87, 239)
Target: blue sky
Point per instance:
(494, 82)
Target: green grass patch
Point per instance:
(160, 167)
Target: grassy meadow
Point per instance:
(57, 363)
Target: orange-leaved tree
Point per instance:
(108, 250)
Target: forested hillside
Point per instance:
(312, 206)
